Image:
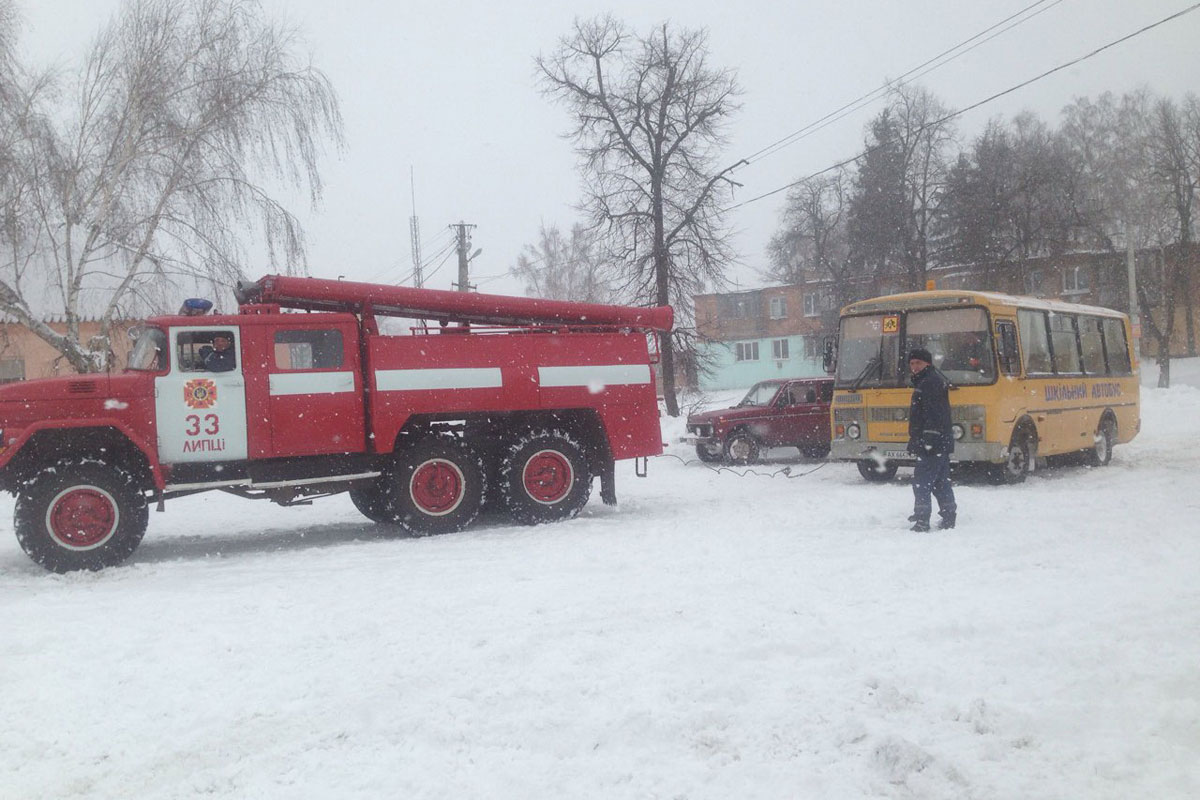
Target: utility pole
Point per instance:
(464, 243)
(1131, 273)
(414, 232)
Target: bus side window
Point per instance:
(1035, 341)
(1092, 341)
(1116, 347)
(1064, 344)
(1006, 348)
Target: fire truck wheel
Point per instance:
(545, 478)
(371, 501)
(77, 515)
(436, 487)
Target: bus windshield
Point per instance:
(867, 356)
(149, 348)
(958, 340)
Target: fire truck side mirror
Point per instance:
(829, 357)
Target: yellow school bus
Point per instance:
(1029, 378)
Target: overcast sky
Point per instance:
(448, 88)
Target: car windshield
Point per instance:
(869, 351)
(149, 347)
(760, 394)
(958, 340)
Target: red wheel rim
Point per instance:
(548, 476)
(82, 517)
(437, 487)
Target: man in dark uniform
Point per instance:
(221, 359)
(931, 440)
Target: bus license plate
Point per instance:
(895, 454)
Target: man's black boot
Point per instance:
(920, 525)
(914, 517)
(947, 522)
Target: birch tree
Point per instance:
(180, 117)
(649, 115)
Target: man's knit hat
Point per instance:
(921, 354)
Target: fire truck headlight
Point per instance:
(958, 431)
(853, 431)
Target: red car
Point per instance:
(775, 413)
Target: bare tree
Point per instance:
(179, 117)
(649, 118)
(564, 268)
(813, 240)
(901, 184)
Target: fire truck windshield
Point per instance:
(149, 349)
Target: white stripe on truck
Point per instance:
(596, 376)
(311, 383)
(412, 380)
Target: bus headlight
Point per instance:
(853, 431)
(958, 431)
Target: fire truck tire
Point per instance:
(436, 486)
(372, 502)
(77, 515)
(545, 478)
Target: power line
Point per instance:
(973, 106)
(937, 61)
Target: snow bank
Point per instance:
(719, 634)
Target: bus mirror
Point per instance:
(829, 357)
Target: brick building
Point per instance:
(23, 355)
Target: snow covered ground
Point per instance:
(714, 636)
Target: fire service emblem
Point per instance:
(200, 393)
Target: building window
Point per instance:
(812, 347)
(746, 351)
(1075, 280)
(813, 304)
(779, 349)
(1033, 282)
(738, 306)
(778, 307)
(12, 370)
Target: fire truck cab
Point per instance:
(516, 402)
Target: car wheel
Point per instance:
(708, 457)
(77, 515)
(742, 448)
(877, 472)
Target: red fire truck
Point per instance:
(520, 401)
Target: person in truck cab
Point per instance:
(222, 358)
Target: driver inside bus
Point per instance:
(970, 353)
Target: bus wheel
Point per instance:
(436, 486)
(1106, 434)
(741, 448)
(544, 478)
(80, 515)
(875, 471)
(1019, 460)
